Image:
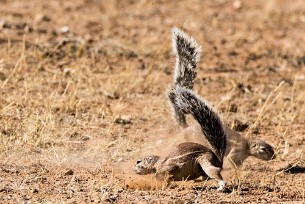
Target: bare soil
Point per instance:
(82, 96)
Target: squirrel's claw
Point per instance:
(222, 185)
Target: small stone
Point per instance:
(123, 120)
(42, 17)
(42, 31)
(86, 138)
(69, 172)
(64, 29)
(111, 95)
(237, 4)
(46, 18)
(68, 71)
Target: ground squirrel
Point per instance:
(191, 160)
(239, 148)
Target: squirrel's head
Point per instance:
(146, 165)
(261, 150)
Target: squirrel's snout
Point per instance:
(136, 170)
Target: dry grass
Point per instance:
(91, 100)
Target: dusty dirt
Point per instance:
(82, 96)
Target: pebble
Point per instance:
(64, 29)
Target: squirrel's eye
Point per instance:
(254, 145)
(139, 161)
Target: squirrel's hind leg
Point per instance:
(212, 171)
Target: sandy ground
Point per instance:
(82, 97)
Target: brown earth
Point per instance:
(82, 96)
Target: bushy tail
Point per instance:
(187, 53)
(189, 103)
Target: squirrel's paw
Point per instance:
(222, 185)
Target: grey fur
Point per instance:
(211, 126)
(187, 53)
